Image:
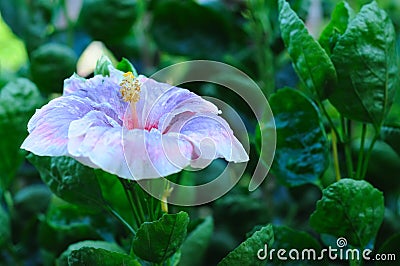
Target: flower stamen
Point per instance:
(130, 88)
(130, 91)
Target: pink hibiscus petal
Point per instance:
(48, 127)
(151, 154)
(159, 102)
(211, 136)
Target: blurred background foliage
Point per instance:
(42, 42)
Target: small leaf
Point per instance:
(69, 180)
(125, 66)
(341, 16)
(99, 256)
(310, 60)
(246, 252)
(349, 208)
(302, 150)
(157, 241)
(366, 63)
(63, 259)
(102, 66)
(18, 101)
(196, 244)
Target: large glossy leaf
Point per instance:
(310, 60)
(196, 244)
(302, 150)
(246, 252)
(366, 63)
(69, 180)
(18, 100)
(198, 31)
(157, 241)
(340, 18)
(349, 208)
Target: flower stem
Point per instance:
(368, 155)
(361, 152)
(135, 189)
(119, 217)
(346, 131)
(335, 156)
(330, 121)
(126, 186)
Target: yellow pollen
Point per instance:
(130, 88)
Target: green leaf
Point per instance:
(65, 224)
(198, 31)
(196, 244)
(125, 66)
(5, 228)
(246, 252)
(32, 200)
(110, 186)
(51, 63)
(340, 18)
(157, 241)
(63, 259)
(28, 19)
(286, 238)
(107, 20)
(70, 180)
(349, 208)
(383, 156)
(102, 66)
(391, 135)
(366, 63)
(99, 256)
(302, 150)
(310, 60)
(18, 101)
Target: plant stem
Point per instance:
(361, 152)
(335, 156)
(138, 202)
(346, 131)
(126, 186)
(333, 127)
(368, 155)
(119, 217)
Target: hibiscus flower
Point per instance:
(133, 127)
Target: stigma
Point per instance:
(130, 88)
